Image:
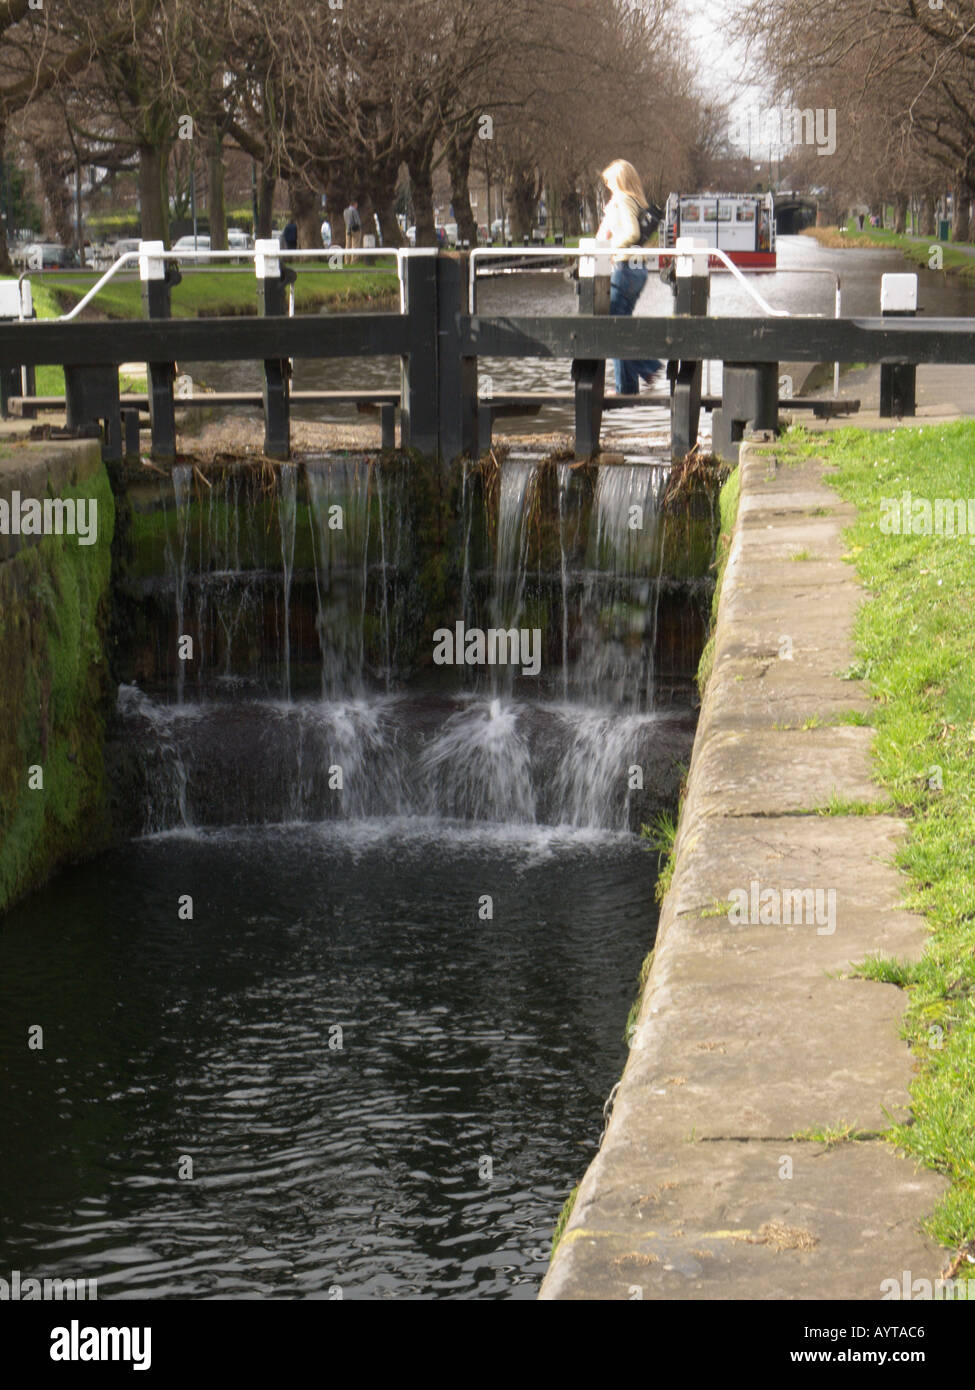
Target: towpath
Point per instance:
(756, 1032)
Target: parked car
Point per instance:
(238, 240)
(49, 255)
(199, 242)
(127, 244)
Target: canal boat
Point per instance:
(740, 224)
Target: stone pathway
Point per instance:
(752, 1034)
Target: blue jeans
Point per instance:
(624, 290)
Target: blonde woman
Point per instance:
(621, 228)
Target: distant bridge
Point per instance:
(793, 211)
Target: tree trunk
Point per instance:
(153, 201)
(421, 181)
(927, 227)
(56, 196)
(523, 196)
(383, 199)
(6, 267)
(266, 184)
(79, 231)
(571, 220)
(960, 218)
(336, 201)
(306, 211)
(216, 205)
(367, 217)
(459, 169)
(900, 213)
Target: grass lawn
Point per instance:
(222, 292)
(954, 261)
(206, 292)
(916, 646)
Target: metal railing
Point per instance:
(631, 253)
(327, 253)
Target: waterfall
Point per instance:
(479, 766)
(617, 616)
(564, 477)
(165, 779)
(514, 500)
(361, 547)
(287, 511)
(179, 560)
(312, 718)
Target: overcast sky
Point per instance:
(723, 68)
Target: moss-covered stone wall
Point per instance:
(56, 693)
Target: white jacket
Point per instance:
(621, 221)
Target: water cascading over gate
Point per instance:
(281, 668)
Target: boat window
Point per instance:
(721, 213)
(690, 213)
(745, 214)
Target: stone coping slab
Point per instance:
(754, 1028)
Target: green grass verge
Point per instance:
(916, 646)
(564, 1216)
(206, 293)
(728, 504)
(953, 260)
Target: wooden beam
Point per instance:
(205, 340)
(724, 339)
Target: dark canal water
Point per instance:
(428, 1158)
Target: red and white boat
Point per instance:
(742, 225)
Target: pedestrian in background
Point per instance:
(353, 227)
(627, 222)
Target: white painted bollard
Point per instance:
(595, 264)
(684, 260)
(267, 258)
(898, 382)
(17, 302)
(151, 264)
(898, 294)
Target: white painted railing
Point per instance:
(631, 253)
(151, 258)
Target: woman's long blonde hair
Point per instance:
(621, 177)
